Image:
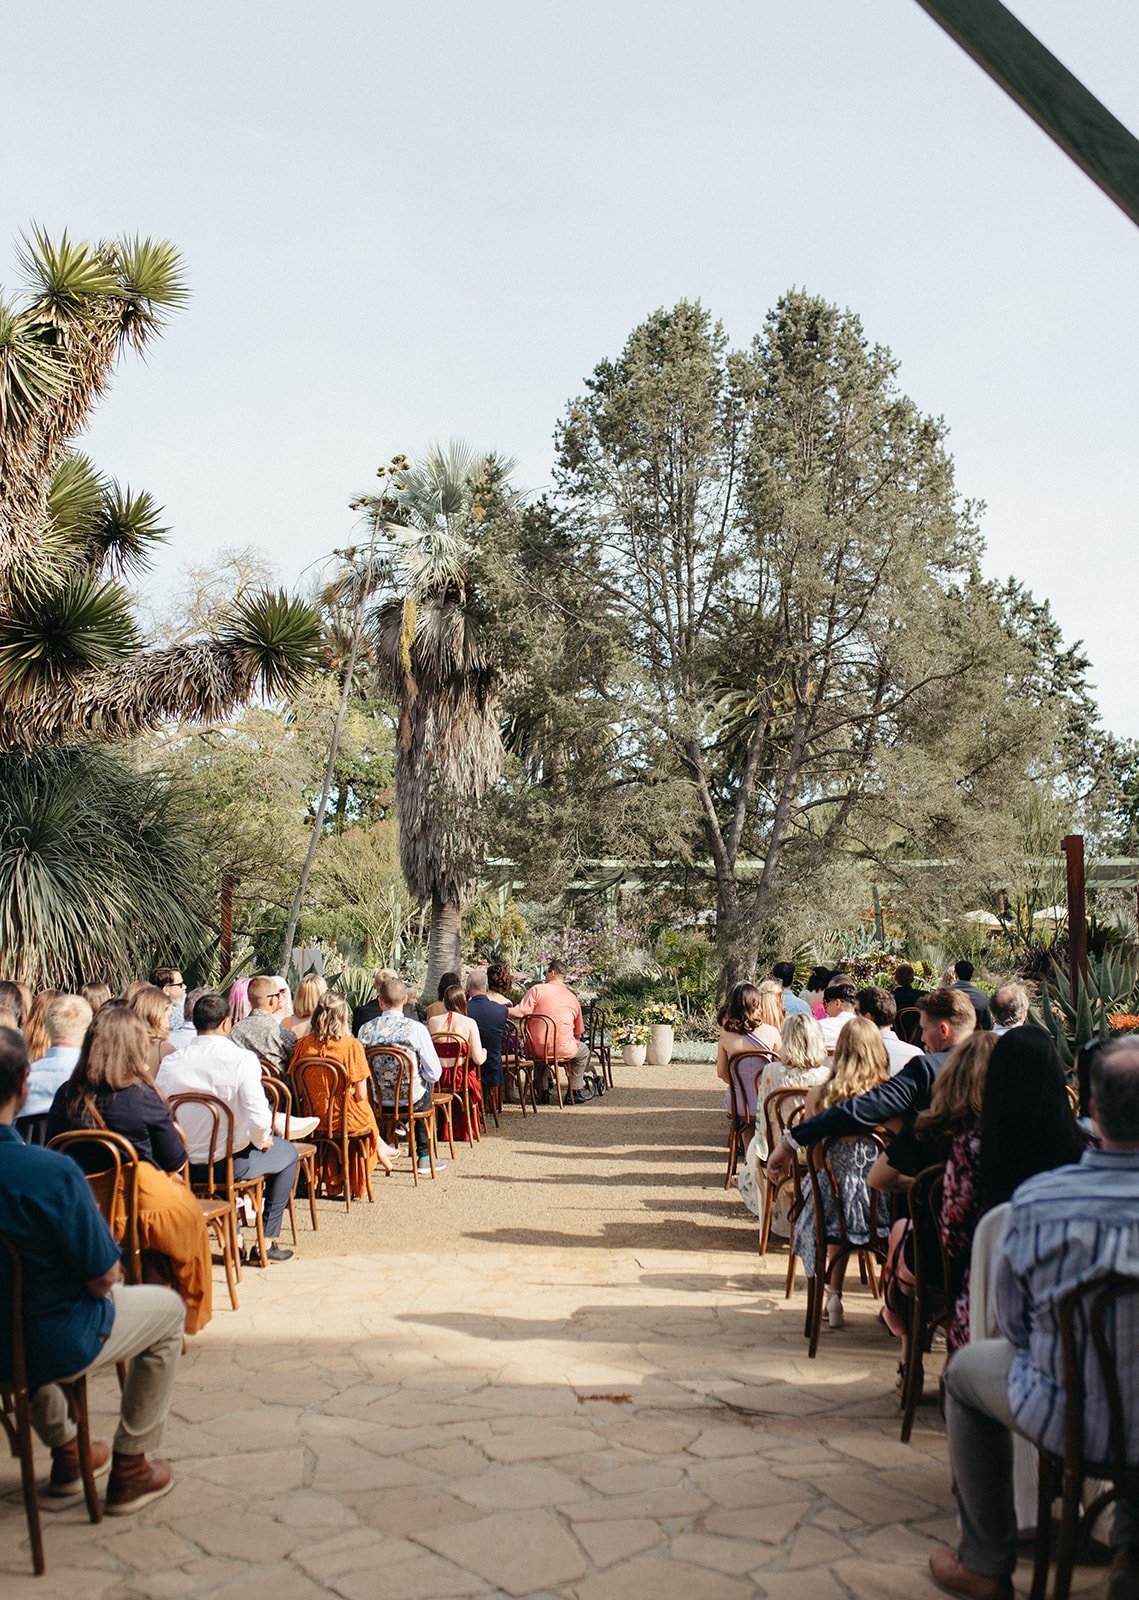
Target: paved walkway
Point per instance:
(559, 1370)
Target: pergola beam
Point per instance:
(1052, 96)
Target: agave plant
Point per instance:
(431, 638)
(1074, 1011)
(72, 662)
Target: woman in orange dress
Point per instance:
(330, 1038)
(111, 1088)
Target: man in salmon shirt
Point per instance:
(556, 1000)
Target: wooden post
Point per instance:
(225, 942)
(1073, 847)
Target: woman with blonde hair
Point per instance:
(859, 1063)
(801, 1064)
(330, 1039)
(35, 1025)
(152, 1005)
(751, 1022)
(309, 991)
(111, 1088)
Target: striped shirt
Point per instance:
(1066, 1227)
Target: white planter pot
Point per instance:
(661, 1040)
(633, 1055)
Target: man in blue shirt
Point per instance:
(1065, 1228)
(784, 972)
(67, 1020)
(78, 1315)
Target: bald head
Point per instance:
(1115, 1092)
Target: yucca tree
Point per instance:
(434, 637)
(72, 663)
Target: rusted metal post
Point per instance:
(1073, 847)
(225, 942)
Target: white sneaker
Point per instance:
(836, 1317)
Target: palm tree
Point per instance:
(435, 641)
(72, 663)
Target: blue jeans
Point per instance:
(278, 1166)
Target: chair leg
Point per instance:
(733, 1155)
(1069, 1534)
(25, 1449)
(235, 1238)
(411, 1150)
(915, 1368)
(77, 1403)
(1045, 1495)
(792, 1270)
(817, 1304)
(292, 1219)
(346, 1168)
(220, 1226)
(259, 1217)
(310, 1185)
(765, 1220)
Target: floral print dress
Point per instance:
(960, 1213)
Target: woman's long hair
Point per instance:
(958, 1091)
(331, 1019)
(802, 1048)
(1027, 1124)
(35, 1026)
(447, 981)
(153, 1006)
(114, 1055)
(742, 1012)
(771, 1003)
(860, 1062)
(309, 991)
(239, 1006)
(455, 999)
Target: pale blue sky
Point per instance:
(404, 222)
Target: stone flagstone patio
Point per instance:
(560, 1370)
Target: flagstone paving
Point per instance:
(560, 1370)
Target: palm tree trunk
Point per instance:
(444, 948)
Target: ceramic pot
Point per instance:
(662, 1037)
(633, 1055)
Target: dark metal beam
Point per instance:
(1052, 96)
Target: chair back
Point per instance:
(33, 1128)
(14, 1299)
(392, 1067)
(598, 1022)
(746, 1067)
(110, 1165)
(280, 1097)
(924, 1201)
(821, 1172)
(908, 1025)
(323, 1086)
(541, 1038)
(1098, 1322)
(453, 1051)
(513, 1043)
(218, 1126)
(780, 1108)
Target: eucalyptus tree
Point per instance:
(778, 534)
(434, 635)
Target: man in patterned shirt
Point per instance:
(392, 1027)
(1065, 1228)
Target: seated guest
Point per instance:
(68, 1018)
(879, 1006)
(749, 1024)
(1066, 1227)
(948, 1019)
(187, 1033)
(153, 1006)
(96, 995)
(111, 1088)
(838, 1008)
(1009, 1007)
(447, 981)
(393, 1027)
(556, 1000)
(15, 1002)
(80, 1317)
(35, 1025)
(173, 986)
(488, 1011)
(261, 1031)
(963, 980)
(783, 973)
(309, 991)
(371, 1009)
(858, 1064)
(329, 1038)
(456, 1020)
(801, 1063)
(239, 1007)
(213, 1064)
(816, 988)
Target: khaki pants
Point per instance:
(577, 1072)
(147, 1335)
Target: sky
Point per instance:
(409, 222)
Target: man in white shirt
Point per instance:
(878, 1004)
(213, 1064)
(67, 1020)
(838, 1002)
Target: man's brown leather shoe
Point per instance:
(948, 1573)
(66, 1478)
(135, 1482)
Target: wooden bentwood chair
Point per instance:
(393, 1069)
(820, 1172)
(781, 1109)
(541, 1038)
(930, 1294)
(1090, 1336)
(517, 1068)
(222, 1192)
(321, 1081)
(741, 1120)
(16, 1413)
(454, 1057)
(599, 1045)
(279, 1094)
